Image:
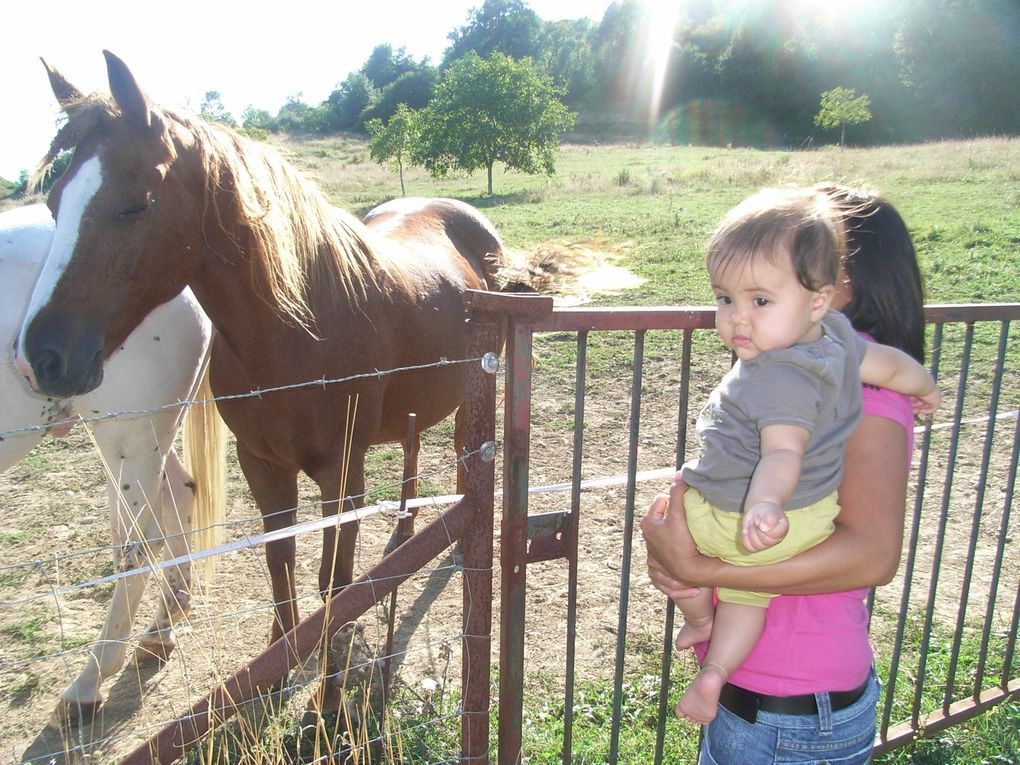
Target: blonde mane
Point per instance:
(298, 244)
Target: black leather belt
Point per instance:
(746, 704)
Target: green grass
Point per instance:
(960, 199)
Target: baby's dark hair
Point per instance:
(774, 223)
(886, 289)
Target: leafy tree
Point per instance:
(212, 109)
(384, 65)
(346, 104)
(507, 26)
(257, 123)
(841, 107)
(489, 110)
(394, 141)
(961, 59)
(414, 89)
(567, 55)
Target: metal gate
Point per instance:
(972, 355)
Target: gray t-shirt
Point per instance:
(815, 385)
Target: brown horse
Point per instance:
(297, 290)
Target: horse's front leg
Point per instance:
(276, 494)
(133, 486)
(159, 640)
(337, 569)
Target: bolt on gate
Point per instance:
(955, 601)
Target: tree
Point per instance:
(841, 107)
(257, 122)
(384, 65)
(507, 26)
(413, 89)
(212, 109)
(489, 110)
(394, 141)
(346, 104)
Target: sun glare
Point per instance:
(836, 10)
(661, 19)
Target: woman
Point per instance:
(807, 693)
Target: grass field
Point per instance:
(655, 206)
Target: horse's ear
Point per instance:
(129, 97)
(65, 92)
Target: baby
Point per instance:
(774, 430)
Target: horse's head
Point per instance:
(122, 244)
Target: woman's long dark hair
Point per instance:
(887, 294)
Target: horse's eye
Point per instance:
(133, 213)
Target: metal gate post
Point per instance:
(476, 657)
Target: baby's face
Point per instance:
(762, 306)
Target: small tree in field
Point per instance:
(394, 141)
(841, 107)
(492, 110)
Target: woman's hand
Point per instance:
(673, 559)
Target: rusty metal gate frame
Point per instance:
(526, 539)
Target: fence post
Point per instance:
(479, 488)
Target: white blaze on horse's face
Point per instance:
(79, 191)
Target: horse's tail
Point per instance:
(205, 441)
(543, 269)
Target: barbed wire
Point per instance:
(255, 393)
(380, 506)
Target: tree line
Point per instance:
(762, 73)
(748, 73)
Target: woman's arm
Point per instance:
(864, 550)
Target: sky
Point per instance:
(180, 50)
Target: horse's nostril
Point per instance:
(49, 366)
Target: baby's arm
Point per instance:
(891, 368)
(775, 479)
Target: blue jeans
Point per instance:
(827, 738)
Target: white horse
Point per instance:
(152, 497)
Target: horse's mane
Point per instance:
(299, 244)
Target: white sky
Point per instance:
(179, 50)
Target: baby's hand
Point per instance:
(926, 404)
(765, 525)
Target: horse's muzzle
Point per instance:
(63, 364)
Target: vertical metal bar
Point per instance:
(479, 486)
(683, 414)
(514, 539)
(628, 532)
(1000, 552)
(975, 529)
(1010, 652)
(408, 490)
(947, 489)
(908, 570)
(572, 531)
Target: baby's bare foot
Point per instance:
(699, 703)
(693, 633)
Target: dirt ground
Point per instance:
(53, 503)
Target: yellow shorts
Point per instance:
(718, 534)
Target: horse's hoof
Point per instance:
(72, 714)
(394, 542)
(178, 607)
(155, 649)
